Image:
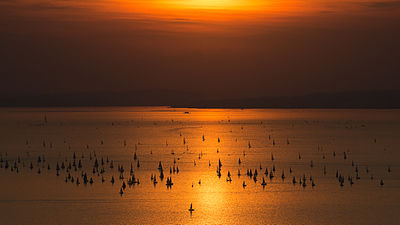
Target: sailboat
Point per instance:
(263, 183)
(191, 208)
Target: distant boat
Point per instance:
(169, 182)
(187, 112)
(191, 208)
(263, 183)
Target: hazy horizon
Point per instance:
(351, 99)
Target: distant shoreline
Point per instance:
(255, 107)
(389, 99)
(188, 107)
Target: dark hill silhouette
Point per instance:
(353, 99)
(350, 99)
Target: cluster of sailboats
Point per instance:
(84, 169)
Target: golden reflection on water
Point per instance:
(167, 135)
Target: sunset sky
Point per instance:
(226, 48)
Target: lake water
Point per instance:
(308, 144)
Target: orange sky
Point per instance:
(212, 47)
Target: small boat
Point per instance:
(191, 208)
(263, 183)
(169, 182)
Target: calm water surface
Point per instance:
(311, 144)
